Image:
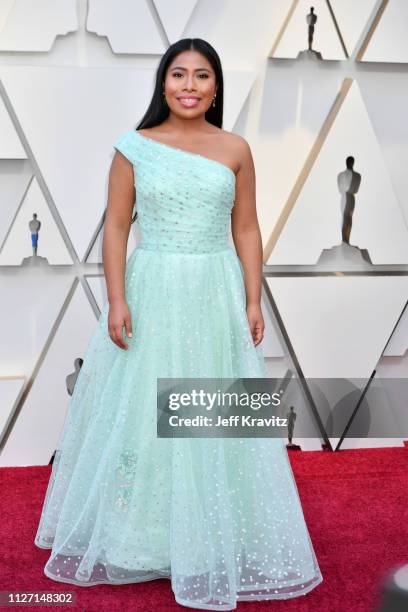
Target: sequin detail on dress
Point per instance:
(221, 518)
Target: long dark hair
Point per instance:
(158, 109)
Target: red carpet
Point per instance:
(355, 504)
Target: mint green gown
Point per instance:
(221, 518)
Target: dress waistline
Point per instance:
(185, 251)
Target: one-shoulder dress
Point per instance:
(219, 517)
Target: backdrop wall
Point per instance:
(75, 74)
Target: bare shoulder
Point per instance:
(238, 147)
(234, 140)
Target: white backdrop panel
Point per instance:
(378, 222)
(352, 18)
(33, 26)
(31, 301)
(174, 16)
(15, 177)
(10, 145)
(45, 408)
(287, 116)
(339, 326)
(129, 25)
(97, 285)
(10, 389)
(389, 42)
(398, 343)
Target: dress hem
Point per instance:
(241, 596)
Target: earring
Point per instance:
(164, 97)
(214, 99)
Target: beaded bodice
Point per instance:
(183, 199)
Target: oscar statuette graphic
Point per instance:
(346, 254)
(309, 53)
(291, 417)
(35, 260)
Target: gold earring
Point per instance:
(164, 97)
(214, 99)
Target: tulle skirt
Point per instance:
(220, 517)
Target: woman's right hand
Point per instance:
(119, 316)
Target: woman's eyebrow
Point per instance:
(181, 68)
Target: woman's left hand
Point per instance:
(256, 322)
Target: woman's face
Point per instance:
(190, 84)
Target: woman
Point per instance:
(221, 518)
